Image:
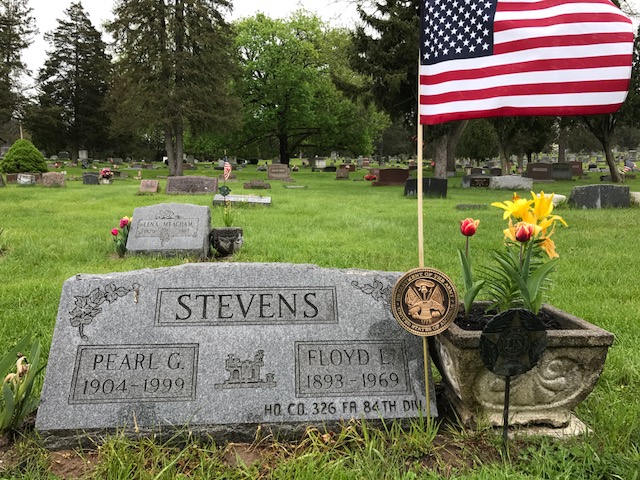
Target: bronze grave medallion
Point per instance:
(424, 301)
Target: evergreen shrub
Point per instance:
(23, 157)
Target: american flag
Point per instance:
(488, 58)
(227, 170)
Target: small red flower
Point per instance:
(524, 232)
(115, 232)
(468, 226)
(124, 221)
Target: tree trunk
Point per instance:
(285, 156)
(453, 137)
(616, 177)
(179, 145)
(169, 147)
(440, 170)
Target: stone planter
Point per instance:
(546, 395)
(227, 240)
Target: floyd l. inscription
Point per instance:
(224, 347)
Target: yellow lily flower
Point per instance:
(549, 247)
(515, 208)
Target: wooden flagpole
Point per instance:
(420, 139)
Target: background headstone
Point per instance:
(388, 177)
(90, 178)
(476, 180)
(26, 179)
(600, 196)
(223, 348)
(431, 187)
(249, 199)
(192, 185)
(511, 182)
(278, 171)
(539, 171)
(342, 174)
(170, 229)
(149, 186)
(53, 179)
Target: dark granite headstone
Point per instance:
(576, 169)
(561, 171)
(221, 349)
(476, 180)
(194, 185)
(90, 178)
(388, 177)
(600, 196)
(539, 171)
(12, 178)
(431, 187)
(170, 229)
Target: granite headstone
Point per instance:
(431, 187)
(237, 199)
(149, 186)
(90, 178)
(600, 196)
(224, 348)
(278, 171)
(53, 179)
(170, 229)
(511, 182)
(192, 185)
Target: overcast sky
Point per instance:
(48, 12)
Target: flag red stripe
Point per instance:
(527, 67)
(566, 20)
(562, 41)
(558, 88)
(507, 6)
(515, 111)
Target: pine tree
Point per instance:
(17, 28)
(173, 65)
(72, 85)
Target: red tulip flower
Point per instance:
(124, 221)
(524, 232)
(468, 226)
(115, 232)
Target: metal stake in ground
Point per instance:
(512, 344)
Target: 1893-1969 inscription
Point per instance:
(353, 368)
(121, 373)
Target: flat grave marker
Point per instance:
(250, 199)
(222, 348)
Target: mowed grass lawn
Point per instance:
(52, 234)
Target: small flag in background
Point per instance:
(488, 58)
(227, 170)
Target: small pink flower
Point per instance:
(524, 232)
(124, 221)
(115, 232)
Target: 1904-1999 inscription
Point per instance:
(122, 373)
